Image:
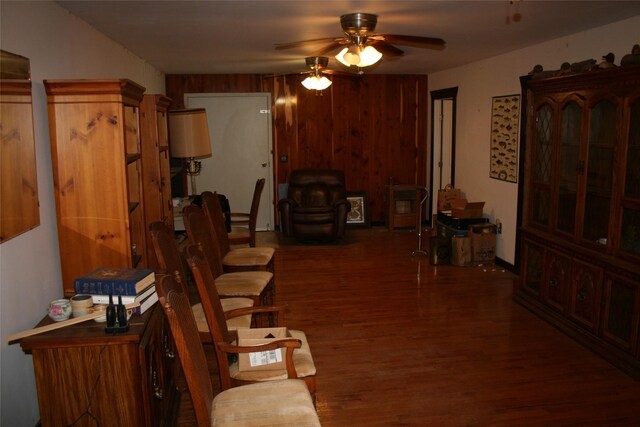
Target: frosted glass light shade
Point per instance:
(353, 55)
(189, 134)
(316, 83)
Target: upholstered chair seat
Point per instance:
(246, 257)
(273, 403)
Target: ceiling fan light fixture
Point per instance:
(354, 55)
(369, 56)
(316, 83)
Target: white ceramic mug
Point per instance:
(60, 309)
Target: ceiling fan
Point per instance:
(317, 68)
(361, 47)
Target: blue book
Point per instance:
(114, 281)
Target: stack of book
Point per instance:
(132, 284)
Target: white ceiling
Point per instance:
(211, 37)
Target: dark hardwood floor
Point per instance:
(399, 342)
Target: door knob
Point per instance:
(264, 165)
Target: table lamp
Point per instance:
(189, 139)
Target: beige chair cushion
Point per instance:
(302, 361)
(249, 256)
(242, 283)
(273, 403)
(227, 305)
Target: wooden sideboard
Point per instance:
(84, 375)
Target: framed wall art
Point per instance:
(359, 214)
(505, 117)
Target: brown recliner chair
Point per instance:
(316, 206)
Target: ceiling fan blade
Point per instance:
(292, 45)
(414, 41)
(338, 73)
(331, 46)
(385, 48)
(290, 73)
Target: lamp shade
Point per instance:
(189, 133)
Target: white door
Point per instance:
(240, 132)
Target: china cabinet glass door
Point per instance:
(542, 166)
(630, 232)
(599, 172)
(569, 163)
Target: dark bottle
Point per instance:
(122, 312)
(111, 313)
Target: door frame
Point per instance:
(438, 95)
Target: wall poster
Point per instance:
(505, 116)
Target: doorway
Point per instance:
(241, 146)
(443, 143)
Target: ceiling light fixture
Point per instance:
(356, 55)
(316, 82)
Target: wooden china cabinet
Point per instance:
(156, 168)
(581, 212)
(97, 174)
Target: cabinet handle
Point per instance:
(157, 390)
(581, 296)
(168, 351)
(553, 282)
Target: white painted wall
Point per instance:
(60, 46)
(480, 81)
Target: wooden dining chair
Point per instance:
(171, 262)
(231, 375)
(243, 225)
(257, 285)
(273, 403)
(237, 259)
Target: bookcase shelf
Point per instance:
(97, 171)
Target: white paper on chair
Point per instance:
(262, 358)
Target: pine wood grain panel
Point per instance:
(18, 183)
(398, 341)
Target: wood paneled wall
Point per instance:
(373, 127)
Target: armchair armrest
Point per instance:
(278, 310)
(343, 207)
(286, 207)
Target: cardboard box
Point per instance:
(262, 360)
(483, 242)
(445, 196)
(461, 251)
(460, 208)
